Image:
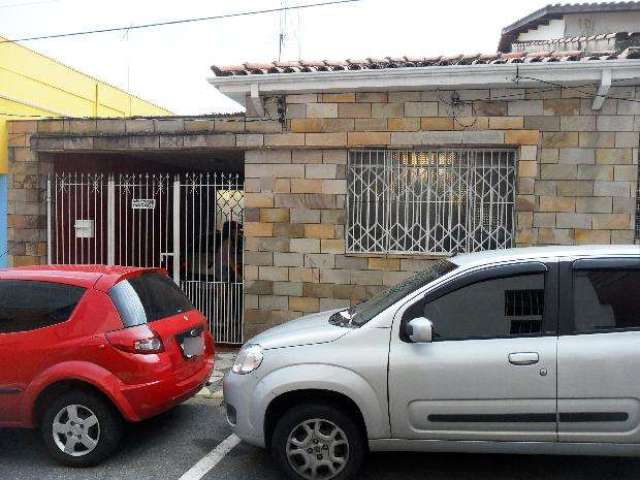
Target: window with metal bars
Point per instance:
(436, 201)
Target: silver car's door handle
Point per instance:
(525, 358)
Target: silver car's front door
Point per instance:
(490, 373)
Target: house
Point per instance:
(357, 173)
(35, 86)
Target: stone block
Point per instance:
(304, 245)
(595, 172)
(336, 246)
(594, 205)
(597, 139)
(612, 123)
(549, 155)
(522, 137)
(436, 123)
(573, 220)
(506, 123)
(612, 189)
(249, 140)
(302, 185)
(231, 125)
(371, 124)
(625, 173)
(287, 288)
(612, 221)
(258, 258)
(621, 236)
(627, 139)
(258, 229)
(306, 200)
(381, 263)
(275, 170)
(420, 109)
(304, 304)
(337, 157)
(267, 156)
(403, 124)
(591, 237)
(78, 143)
(50, 126)
(274, 215)
(624, 205)
(320, 171)
(169, 125)
(544, 220)
(483, 137)
(366, 277)
(542, 123)
(111, 126)
(338, 97)
(144, 142)
(302, 98)
(354, 110)
(577, 156)
(556, 236)
(560, 139)
(351, 263)
(395, 97)
(526, 185)
(326, 139)
(307, 275)
(361, 139)
(490, 108)
(319, 230)
(199, 125)
(322, 125)
(258, 200)
(334, 187)
(172, 142)
(273, 302)
(578, 124)
(564, 106)
(306, 156)
(303, 215)
(528, 153)
(288, 259)
(525, 107)
(579, 188)
(284, 139)
(376, 97)
(288, 230)
(557, 204)
(319, 260)
(614, 156)
(387, 110)
(296, 110)
(317, 290)
(274, 274)
(333, 303)
(471, 123)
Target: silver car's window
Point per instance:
(602, 300)
(363, 312)
(496, 308)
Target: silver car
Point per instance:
(531, 351)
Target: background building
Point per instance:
(35, 86)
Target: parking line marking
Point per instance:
(209, 461)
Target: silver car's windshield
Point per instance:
(360, 314)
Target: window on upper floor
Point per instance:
(439, 201)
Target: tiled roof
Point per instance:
(409, 62)
(551, 12)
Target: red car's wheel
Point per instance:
(80, 429)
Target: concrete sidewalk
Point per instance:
(224, 362)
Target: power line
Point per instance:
(178, 22)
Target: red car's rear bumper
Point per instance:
(150, 399)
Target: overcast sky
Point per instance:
(170, 65)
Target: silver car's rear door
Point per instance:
(490, 373)
(599, 351)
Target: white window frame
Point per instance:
(418, 201)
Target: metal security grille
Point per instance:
(440, 201)
(190, 224)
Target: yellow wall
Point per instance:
(35, 86)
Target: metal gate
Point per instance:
(190, 224)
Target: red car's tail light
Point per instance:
(139, 339)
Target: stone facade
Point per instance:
(577, 174)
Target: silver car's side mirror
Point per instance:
(420, 330)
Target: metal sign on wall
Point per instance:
(143, 203)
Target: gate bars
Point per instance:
(190, 224)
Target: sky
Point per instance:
(170, 65)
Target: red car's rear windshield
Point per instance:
(148, 298)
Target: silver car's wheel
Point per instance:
(317, 449)
(76, 430)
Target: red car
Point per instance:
(84, 348)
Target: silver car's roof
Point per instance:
(533, 253)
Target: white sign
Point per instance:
(84, 228)
(143, 203)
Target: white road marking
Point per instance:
(208, 462)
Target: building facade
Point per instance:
(35, 86)
(357, 174)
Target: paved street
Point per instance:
(168, 446)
